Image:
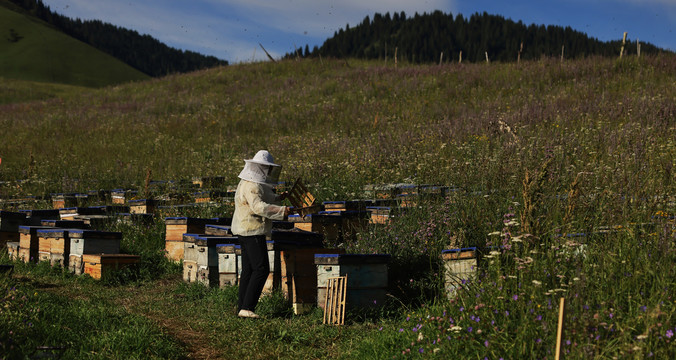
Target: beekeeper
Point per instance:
(256, 205)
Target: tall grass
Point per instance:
(562, 177)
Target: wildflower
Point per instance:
(486, 343)
(515, 297)
(642, 337)
(537, 283)
(643, 308)
(421, 350)
(669, 334)
(455, 328)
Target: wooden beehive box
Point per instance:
(228, 266)
(98, 265)
(325, 224)
(28, 243)
(189, 257)
(13, 250)
(84, 242)
(207, 258)
(352, 205)
(175, 228)
(299, 276)
(35, 217)
(44, 244)
(381, 214)
(60, 201)
(56, 242)
(460, 266)
(143, 206)
(120, 196)
(367, 277)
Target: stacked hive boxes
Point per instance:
(366, 277)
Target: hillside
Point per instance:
(32, 50)
(142, 52)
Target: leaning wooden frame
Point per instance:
(302, 200)
(336, 293)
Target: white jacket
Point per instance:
(255, 206)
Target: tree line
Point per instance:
(142, 52)
(422, 39)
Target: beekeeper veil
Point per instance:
(261, 169)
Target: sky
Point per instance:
(233, 29)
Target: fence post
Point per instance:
(624, 41)
(441, 58)
(460, 59)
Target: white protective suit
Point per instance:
(255, 202)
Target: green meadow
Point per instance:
(560, 172)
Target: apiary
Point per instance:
(460, 266)
(98, 265)
(83, 242)
(367, 277)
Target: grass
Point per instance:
(562, 177)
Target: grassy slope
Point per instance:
(610, 123)
(47, 55)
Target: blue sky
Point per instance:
(232, 29)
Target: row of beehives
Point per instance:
(299, 263)
(65, 243)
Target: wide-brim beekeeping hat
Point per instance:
(261, 169)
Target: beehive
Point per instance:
(35, 217)
(367, 277)
(56, 246)
(29, 243)
(228, 266)
(325, 224)
(189, 257)
(460, 266)
(207, 258)
(13, 250)
(175, 228)
(299, 276)
(98, 265)
(142, 206)
(85, 242)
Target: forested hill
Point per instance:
(142, 52)
(422, 38)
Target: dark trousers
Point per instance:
(255, 270)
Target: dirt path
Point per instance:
(150, 301)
